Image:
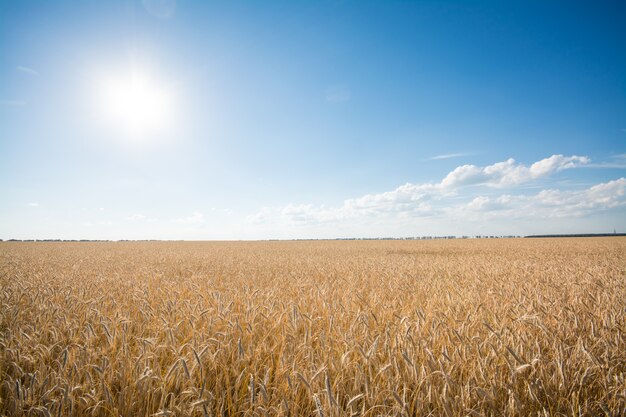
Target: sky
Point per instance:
(203, 120)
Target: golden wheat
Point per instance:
(512, 327)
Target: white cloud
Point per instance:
(407, 197)
(509, 173)
(484, 203)
(33, 204)
(195, 218)
(556, 163)
(546, 203)
(28, 70)
(264, 215)
(442, 198)
(139, 217)
(606, 195)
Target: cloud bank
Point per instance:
(467, 192)
(28, 70)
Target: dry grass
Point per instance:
(444, 328)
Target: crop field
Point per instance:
(506, 327)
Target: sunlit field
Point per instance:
(513, 327)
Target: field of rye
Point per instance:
(507, 327)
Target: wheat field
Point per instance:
(506, 327)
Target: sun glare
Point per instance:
(137, 105)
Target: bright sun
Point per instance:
(137, 105)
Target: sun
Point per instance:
(136, 104)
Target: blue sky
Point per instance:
(252, 120)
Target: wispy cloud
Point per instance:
(617, 161)
(28, 70)
(608, 165)
(425, 199)
(33, 204)
(450, 156)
